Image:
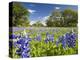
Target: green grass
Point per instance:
(40, 48)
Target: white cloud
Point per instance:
(31, 11)
(44, 20)
(57, 7)
(32, 22)
(43, 23)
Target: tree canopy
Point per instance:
(66, 18)
(19, 15)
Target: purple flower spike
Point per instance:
(12, 36)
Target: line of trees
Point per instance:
(69, 18)
(38, 24)
(66, 18)
(20, 18)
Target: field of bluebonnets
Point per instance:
(39, 42)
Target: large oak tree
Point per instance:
(20, 15)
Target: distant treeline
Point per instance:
(20, 17)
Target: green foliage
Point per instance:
(71, 17)
(38, 24)
(40, 49)
(19, 15)
(67, 18)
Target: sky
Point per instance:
(42, 11)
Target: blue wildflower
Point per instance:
(18, 51)
(38, 37)
(46, 40)
(12, 36)
(47, 34)
(18, 36)
(49, 38)
(73, 36)
(25, 55)
(64, 41)
(23, 45)
(20, 41)
(72, 40)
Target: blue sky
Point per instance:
(40, 11)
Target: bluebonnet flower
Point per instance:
(25, 55)
(38, 37)
(46, 40)
(12, 36)
(15, 44)
(47, 33)
(18, 51)
(72, 40)
(18, 36)
(26, 44)
(64, 41)
(27, 37)
(69, 39)
(49, 38)
(60, 38)
(73, 36)
(20, 41)
(23, 47)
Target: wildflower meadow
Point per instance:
(43, 42)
